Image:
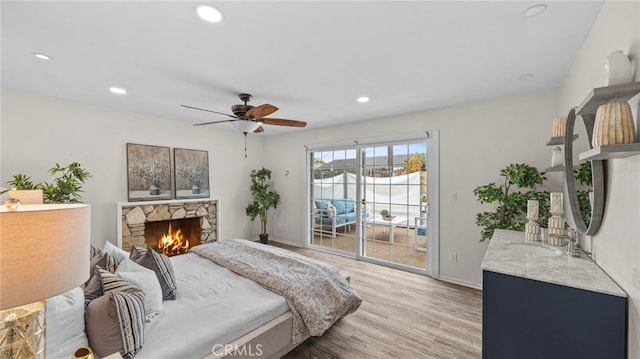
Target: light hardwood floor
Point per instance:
(403, 315)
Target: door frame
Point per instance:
(433, 193)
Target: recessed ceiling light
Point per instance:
(209, 13)
(41, 56)
(363, 99)
(525, 77)
(534, 10)
(118, 90)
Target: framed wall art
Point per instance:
(191, 173)
(148, 172)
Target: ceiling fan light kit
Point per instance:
(246, 126)
(247, 118)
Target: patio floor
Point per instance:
(403, 251)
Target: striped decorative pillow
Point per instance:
(115, 323)
(113, 283)
(161, 265)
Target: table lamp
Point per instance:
(44, 251)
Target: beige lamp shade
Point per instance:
(44, 251)
(613, 125)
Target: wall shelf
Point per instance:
(602, 95)
(611, 151)
(555, 141)
(588, 109)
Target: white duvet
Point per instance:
(212, 306)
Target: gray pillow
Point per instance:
(161, 265)
(104, 260)
(115, 323)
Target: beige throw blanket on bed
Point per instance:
(316, 292)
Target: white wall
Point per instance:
(617, 244)
(476, 141)
(38, 132)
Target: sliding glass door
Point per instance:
(375, 202)
(333, 188)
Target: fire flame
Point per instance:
(173, 243)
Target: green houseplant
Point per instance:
(582, 174)
(263, 199)
(66, 188)
(512, 203)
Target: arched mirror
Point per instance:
(585, 180)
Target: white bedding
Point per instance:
(213, 306)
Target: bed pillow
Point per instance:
(113, 283)
(65, 324)
(93, 289)
(93, 251)
(161, 265)
(118, 253)
(146, 280)
(115, 323)
(137, 252)
(104, 260)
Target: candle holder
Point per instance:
(532, 229)
(556, 227)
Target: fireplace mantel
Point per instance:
(132, 216)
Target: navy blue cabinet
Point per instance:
(528, 319)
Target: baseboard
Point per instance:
(460, 282)
(284, 241)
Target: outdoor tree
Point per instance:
(415, 163)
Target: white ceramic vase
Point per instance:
(618, 69)
(557, 160)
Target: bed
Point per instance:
(218, 312)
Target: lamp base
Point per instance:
(22, 332)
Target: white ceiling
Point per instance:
(312, 59)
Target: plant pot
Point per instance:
(195, 189)
(154, 190)
(264, 238)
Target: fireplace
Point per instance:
(174, 236)
(144, 223)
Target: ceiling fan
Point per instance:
(247, 118)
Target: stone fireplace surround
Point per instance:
(132, 217)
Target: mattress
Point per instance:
(213, 306)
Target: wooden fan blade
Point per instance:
(261, 111)
(212, 122)
(283, 122)
(204, 109)
(258, 130)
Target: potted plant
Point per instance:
(66, 188)
(582, 174)
(263, 199)
(386, 215)
(512, 204)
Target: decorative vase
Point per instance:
(559, 123)
(154, 190)
(557, 160)
(613, 125)
(618, 68)
(195, 189)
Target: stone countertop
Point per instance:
(577, 272)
